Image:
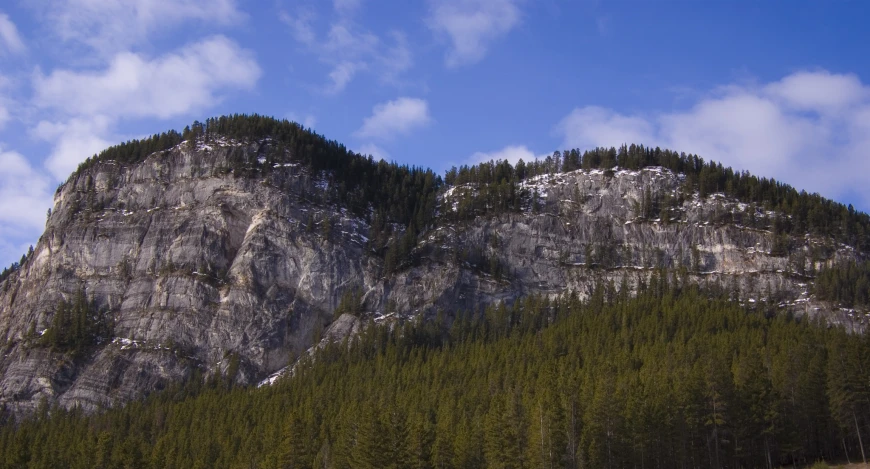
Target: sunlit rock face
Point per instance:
(201, 271)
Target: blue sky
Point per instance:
(774, 87)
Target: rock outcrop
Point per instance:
(202, 271)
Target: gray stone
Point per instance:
(197, 266)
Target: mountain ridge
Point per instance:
(223, 253)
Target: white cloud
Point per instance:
(109, 26)
(301, 26)
(395, 117)
(9, 35)
(744, 130)
(594, 126)
(472, 26)
(106, 80)
(810, 129)
(510, 153)
(6, 90)
(340, 76)
(344, 38)
(377, 152)
(74, 141)
(819, 91)
(133, 85)
(348, 49)
(4, 112)
(89, 103)
(25, 195)
(395, 59)
(307, 120)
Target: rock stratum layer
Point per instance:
(203, 272)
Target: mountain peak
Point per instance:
(234, 245)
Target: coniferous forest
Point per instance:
(847, 284)
(674, 377)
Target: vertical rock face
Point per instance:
(195, 266)
(203, 271)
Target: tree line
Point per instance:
(76, 326)
(16, 266)
(400, 201)
(674, 377)
(845, 283)
(497, 184)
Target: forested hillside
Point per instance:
(675, 377)
(847, 284)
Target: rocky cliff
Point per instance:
(203, 271)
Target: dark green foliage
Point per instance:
(77, 325)
(673, 378)
(7, 271)
(847, 284)
(134, 151)
(350, 303)
(491, 187)
(399, 250)
(475, 258)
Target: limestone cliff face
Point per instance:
(200, 269)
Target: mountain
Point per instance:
(234, 247)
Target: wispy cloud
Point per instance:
(135, 85)
(820, 91)
(396, 117)
(810, 129)
(109, 26)
(593, 125)
(342, 74)
(472, 26)
(73, 141)
(25, 194)
(375, 151)
(510, 153)
(4, 101)
(9, 37)
(348, 48)
(346, 7)
(307, 120)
